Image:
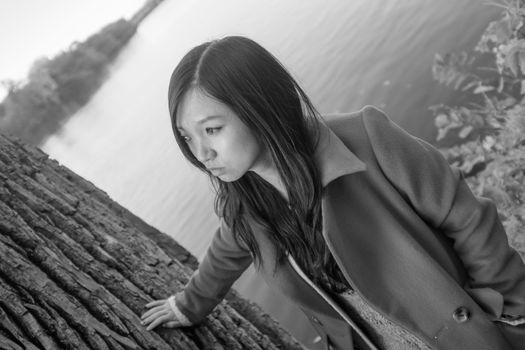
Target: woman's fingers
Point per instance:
(154, 309)
(154, 316)
(158, 321)
(172, 324)
(159, 312)
(156, 302)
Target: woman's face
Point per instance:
(218, 138)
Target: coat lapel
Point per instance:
(333, 158)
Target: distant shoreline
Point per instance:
(56, 88)
(144, 11)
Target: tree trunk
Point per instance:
(76, 270)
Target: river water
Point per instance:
(345, 53)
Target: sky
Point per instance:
(30, 29)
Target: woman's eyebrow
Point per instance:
(210, 117)
(205, 119)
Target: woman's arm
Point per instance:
(443, 199)
(222, 265)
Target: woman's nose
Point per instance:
(204, 152)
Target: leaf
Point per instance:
(488, 142)
(439, 59)
(522, 90)
(521, 57)
(459, 81)
(470, 85)
(509, 101)
(441, 134)
(455, 117)
(441, 120)
(483, 88)
(511, 61)
(501, 84)
(465, 131)
(501, 30)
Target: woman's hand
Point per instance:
(163, 312)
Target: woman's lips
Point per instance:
(216, 171)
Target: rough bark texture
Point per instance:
(76, 269)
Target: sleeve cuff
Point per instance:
(182, 319)
(512, 320)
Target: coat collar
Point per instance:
(333, 158)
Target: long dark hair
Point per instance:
(250, 80)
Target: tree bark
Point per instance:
(76, 269)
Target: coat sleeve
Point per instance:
(222, 265)
(439, 195)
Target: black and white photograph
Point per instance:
(243, 174)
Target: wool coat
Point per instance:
(408, 235)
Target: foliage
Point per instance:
(56, 88)
(490, 129)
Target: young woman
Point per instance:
(367, 228)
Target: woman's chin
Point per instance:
(227, 177)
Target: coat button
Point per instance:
(461, 314)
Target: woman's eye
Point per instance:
(211, 131)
